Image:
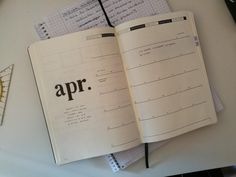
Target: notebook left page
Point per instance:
(84, 95)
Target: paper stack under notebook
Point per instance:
(87, 14)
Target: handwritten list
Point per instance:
(86, 14)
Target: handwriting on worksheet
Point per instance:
(125, 10)
(86, 14)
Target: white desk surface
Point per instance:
(24, 144)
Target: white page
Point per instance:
(120, 11)
(78, 16)
(166, 75)
(121, 160)
(86, 14)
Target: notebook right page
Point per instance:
(166, 74)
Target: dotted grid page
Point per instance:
(86, 14)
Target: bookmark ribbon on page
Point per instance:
(104, 11)
(146, 155)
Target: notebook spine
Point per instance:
(113, 162)
(42, 31)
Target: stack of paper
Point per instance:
(87, 14)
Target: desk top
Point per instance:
(24, 144)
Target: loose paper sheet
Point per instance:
(86, 14)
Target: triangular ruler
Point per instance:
(5, 79)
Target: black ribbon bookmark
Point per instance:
(103, 9)
(146, 155)
(109, 23)
(231, 4)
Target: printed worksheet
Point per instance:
(86, 14)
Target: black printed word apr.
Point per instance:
(70, 88)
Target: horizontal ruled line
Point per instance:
(173, 112)
(112, 91)
(115, 72)
(164, 78)
(208, 118)
(117, 108)
(162, 60)
(168, 95)
(131, 141)
(173, 39)
(105, 55)
(122, 125)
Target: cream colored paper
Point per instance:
(101, 95)
(166, 74)
(100, 119)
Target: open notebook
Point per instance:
(106, 90)
(66, 20)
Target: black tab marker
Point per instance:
(164, 21)
(137, 27)
(108, 35)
